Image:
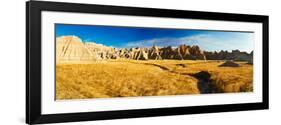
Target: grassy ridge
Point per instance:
(123, 78)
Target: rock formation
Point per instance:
(154, 53)
(167, 52)
(183, 52)
(142, 54)
(250, 61)
(102, 51)
(229, 63)
(197, 53)
(235, 55)
(71, 48)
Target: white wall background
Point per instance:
(12, 67)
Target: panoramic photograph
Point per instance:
(94, 61)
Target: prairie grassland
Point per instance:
(227, 79)
(128, 78)
(119, 79)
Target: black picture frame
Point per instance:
(33, 61)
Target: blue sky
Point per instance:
(126, 37)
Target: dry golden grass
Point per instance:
(127, 78)
(227, 79)
(119, 79)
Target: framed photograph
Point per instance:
(95, 62)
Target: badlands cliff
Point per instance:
(71, 48)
